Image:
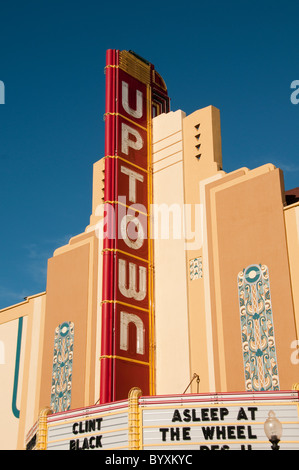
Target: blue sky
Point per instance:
(240, 56)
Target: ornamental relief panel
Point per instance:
(257, 329)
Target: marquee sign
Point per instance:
(94, 428)
(171, 423)
(134, 94)
(228, 422)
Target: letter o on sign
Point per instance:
(126, 220)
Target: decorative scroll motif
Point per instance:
(258, 342)
(195, 268)
(62, 367)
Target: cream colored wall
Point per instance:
(96, 226)
(9, 422)
(13, 430)
(171, 309)
(202, 164)
(32, 371)
(97, 193)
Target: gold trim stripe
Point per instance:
(127, 119)
(115, 250)
(135, 67)
(127, 161)
(134, 419)
(125, 359)
(42, 429)
(125, 304)
(152, 378)
(128, 207)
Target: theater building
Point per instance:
(172, 320)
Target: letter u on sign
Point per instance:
(138, 112)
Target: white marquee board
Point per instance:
(96, 428)
(230, 425)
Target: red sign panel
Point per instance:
(133, 90)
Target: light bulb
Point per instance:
(273, 427)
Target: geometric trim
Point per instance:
(257, 329)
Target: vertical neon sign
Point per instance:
(134, 94)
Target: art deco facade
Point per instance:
(225, 295)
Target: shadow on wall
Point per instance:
(292, 196)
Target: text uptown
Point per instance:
(127, 256)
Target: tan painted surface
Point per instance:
(72, 296)
(247, 227)
(291, 215)
(202, 161)
(209, 277)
